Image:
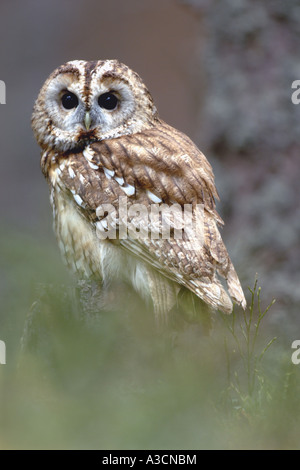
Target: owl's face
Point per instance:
(82, 102)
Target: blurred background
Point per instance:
(222, 73)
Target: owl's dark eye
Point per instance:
(108, 101)
(69, 100)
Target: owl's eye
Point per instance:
(69, 100)
(108, 101)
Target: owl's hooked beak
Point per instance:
(87, 120)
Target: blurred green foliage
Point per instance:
(112, 381)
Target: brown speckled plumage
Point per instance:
(128, 151)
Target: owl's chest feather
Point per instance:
(86, 254)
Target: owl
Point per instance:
(103, 142)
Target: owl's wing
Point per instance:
(160, 166)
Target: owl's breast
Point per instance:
(78, 243)
(84, 252)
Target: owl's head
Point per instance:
(82, 102)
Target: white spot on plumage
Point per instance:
(119, 180)
(153, 197)
(186, 158)
(128, 189)
(82, 179)
(93, 166)
(62, 165)
(102, 225)
(216, 290)
(78, 200)
(71, 172)
(108, 173)
(88, 153)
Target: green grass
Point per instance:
(246, 380)
(114, 382)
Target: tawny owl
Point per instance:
(102, 139)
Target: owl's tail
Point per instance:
(235, 288)
(215, 295)
(169, 297)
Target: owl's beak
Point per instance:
(87, 120)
